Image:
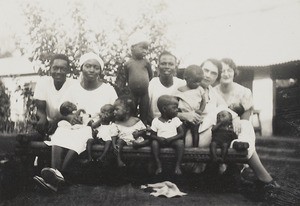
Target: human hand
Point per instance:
(191, 117)
(75, 119)
(236, 123)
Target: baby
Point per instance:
(67, 108)
(222, 135)
(138, 73)
(192, 98)
(103, 131)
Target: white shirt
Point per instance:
(166, 129)
(156, 89)
(46, 91)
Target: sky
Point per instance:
(251, 32)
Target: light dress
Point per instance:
(125, 133)
(105, 132)
(215, 104)
(91, 101)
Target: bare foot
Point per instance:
(178, 170)
(121, 163)
(158, 171)
(100, 159)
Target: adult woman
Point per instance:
(89, 94)
(212, 72)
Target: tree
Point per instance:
(75, 32)
(4, 107)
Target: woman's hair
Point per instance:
(231, 64)
(128, 103)
(215, 62)
(59, 56)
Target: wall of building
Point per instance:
(263, 99)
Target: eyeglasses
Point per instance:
(89, 66)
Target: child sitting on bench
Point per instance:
(103, 132)
(167, 131)
(130, 129)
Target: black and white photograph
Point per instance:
(150, 102)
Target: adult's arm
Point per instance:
(41, 125)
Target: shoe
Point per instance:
(52, 176)
(268, 185)
(41, 182)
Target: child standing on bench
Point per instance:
(192, 98)
(130, 129)
(167, 131)
(103, 132)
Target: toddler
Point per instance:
(222, 135)
(138, 73)
(167, 131)
(103, 132)
(130, 130)
(192, 98)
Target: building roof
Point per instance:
(13, 66)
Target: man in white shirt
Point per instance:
(165, 83)
(48, 94)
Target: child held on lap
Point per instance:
(103, 131)
(167, 131)
(192, 98)
(67, 108)
(130, 130)
(222, 135)
(138, 74)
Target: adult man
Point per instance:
(49, 92)
(165, 83)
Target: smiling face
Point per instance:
(91, 69)
(210, 74)
(227, 74)
(167, 66)
(59, 70)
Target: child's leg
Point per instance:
(213, 151)
(224, 150)
(144, 107)
(106, 148)
(120, 144)
(195, 134)
(70, 156)
(179, 149)
(155, 150)
(89, 144)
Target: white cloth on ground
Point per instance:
(166, 188)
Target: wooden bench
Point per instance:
(28, 148)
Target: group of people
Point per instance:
(162, 111)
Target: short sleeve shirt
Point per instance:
(166, 129)
(156, 89)
(46, 91)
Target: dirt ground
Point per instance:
(123, 188)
